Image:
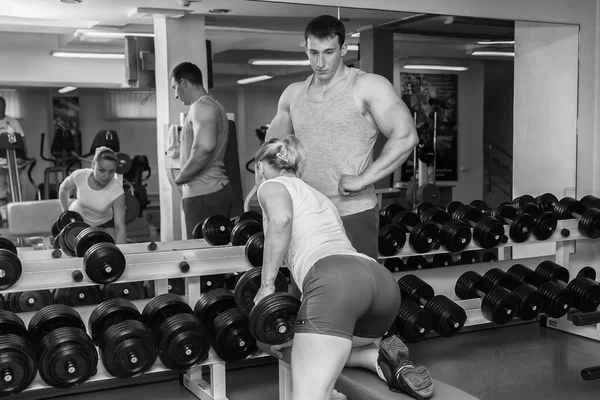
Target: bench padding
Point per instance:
(360, 384)
(32, 218)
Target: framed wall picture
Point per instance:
(427, 95)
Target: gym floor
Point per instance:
(517, 362)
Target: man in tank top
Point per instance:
(337, 113)
(205, 187)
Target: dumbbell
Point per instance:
(272, 320)
(254, 249)
(587, 272)
(174, 285)
(585, 292)
(243, 231)
(531, 301)
(388, 213)
(466, 257)
(546, 202)
(248, 285)
(423, 236)
(455, 235)
(441, 260)
(18, 365)
(422, 206)
(417, 263)
(216, 230)
(545, 222)
(448, 317)
(395, 264)
(28, 301)
(520, 201)
(65, 353)
(124, 290)
(211, 282)
(228, 327)
(126, 344)
(497, 304)
(78, 296)
(253, 215)
(557, 300)
(520, 225)
(481, 206)
(63, 220)
(413, 323)
(589, 218)
(68, 237)
(103, 261)
(10, 264)
(183, 341)
(391, 238)
(488, 256)
(487, 231)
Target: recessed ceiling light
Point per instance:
(436, 67)
(219, 11)
(71, 1)
(493, 53)
(69, 54)
(279, 62)
(67, 89)
(254, 79)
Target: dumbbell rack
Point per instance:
(564, 247)
(158, 262)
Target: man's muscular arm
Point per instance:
(393, 120)
(281, 125)
(205, 124)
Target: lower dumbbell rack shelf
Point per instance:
(193, 380)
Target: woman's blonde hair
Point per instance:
(286, 154)
(105, 153)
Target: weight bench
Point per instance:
(357, 383)
(28, 219)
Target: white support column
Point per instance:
(176, 41)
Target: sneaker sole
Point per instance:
(394, 350)
(414, 381)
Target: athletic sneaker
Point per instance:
(400, 373)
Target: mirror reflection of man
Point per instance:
(10, 125)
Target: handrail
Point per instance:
(495, 146)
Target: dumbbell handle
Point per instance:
(590, 373)
(581, 319)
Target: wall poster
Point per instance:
(425, 95)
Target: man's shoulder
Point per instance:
(203, 110)
(370, 80)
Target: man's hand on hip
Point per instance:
(350, 185)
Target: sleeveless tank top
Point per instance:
(339, 141)
(212, 178)
(317, 229)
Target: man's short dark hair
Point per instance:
(326, 27)
(188, 71)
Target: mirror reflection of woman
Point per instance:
(100, 196)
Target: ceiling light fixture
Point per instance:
(352, 47)
(69, 54)
(494, 53)
(355, 34)
(457, 68)
(109, 34)
(254, 79)
(67, 89)
(278, 62)
(497, 42)
(219, 11)
(71, 1)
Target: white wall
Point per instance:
(30, 64)
(545, 118)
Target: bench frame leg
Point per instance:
(285, 381)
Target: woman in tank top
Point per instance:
(348, 299)
(100, 197)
